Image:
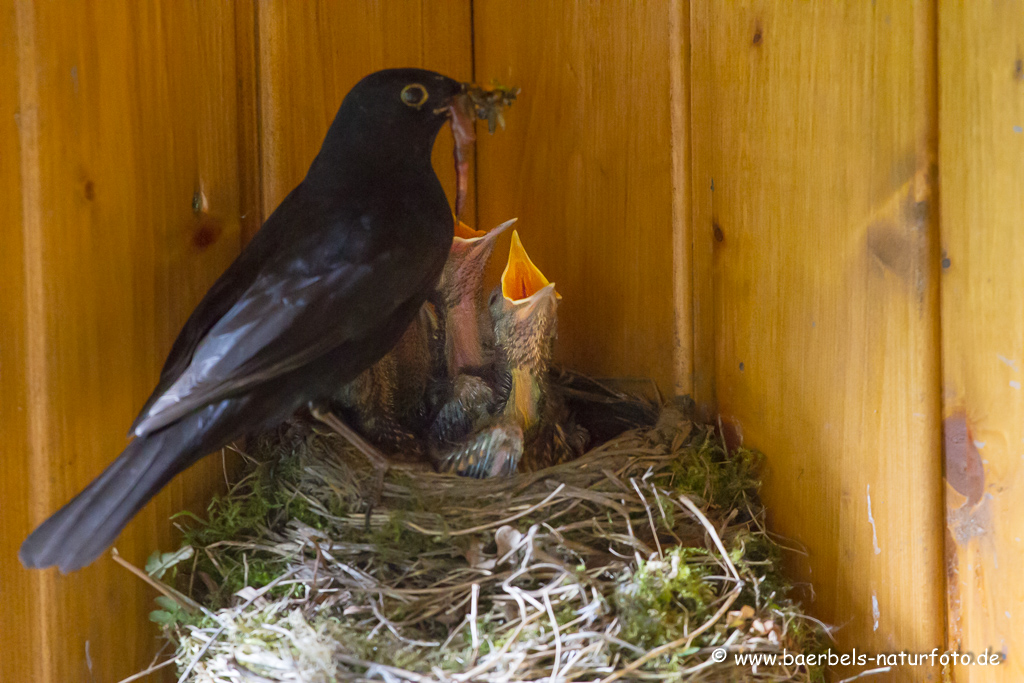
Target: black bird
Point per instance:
(325, 288)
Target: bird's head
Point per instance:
(466, 338)
(464, 270)
(411, 103)
(523, 307)
(389, 120)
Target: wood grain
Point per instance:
(737, 199)
(821, 235)
(312, 53)
(701, 191)
(982, 159)
(126, 119)
(17, 587)
(586, 163)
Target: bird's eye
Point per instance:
(414, 95)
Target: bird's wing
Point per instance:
(222, 295)
(284, 320)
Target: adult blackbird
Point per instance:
(324, 290)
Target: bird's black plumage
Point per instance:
(324, 290)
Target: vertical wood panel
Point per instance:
(16, 586)
(247, 74)
(821, 236)
(981, 80)
(312, 53)
(701, 188)
(587, 165)
(127, 116)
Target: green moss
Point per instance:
(659, 599)
(726, 481)
(261, 501)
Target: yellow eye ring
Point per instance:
(414, 95)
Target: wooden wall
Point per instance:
(739, 200)
(116, 116)
(981, 158)
(817, 246)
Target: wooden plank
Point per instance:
(821, 236)
(587, 165)
(247, 72)
(680, 88)
(17, 587)
(981, 77)
(702, 244)
(312, 53)
(127, 118)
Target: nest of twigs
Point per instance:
(635, 562)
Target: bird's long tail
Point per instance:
(80, 531)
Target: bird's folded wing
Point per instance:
(282, 322)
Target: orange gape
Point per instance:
(465, 232)
(521, 279)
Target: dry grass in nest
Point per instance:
(632, 563)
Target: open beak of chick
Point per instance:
(524, 286)
(470, 244)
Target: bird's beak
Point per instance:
(544, 298)
(522, 282)
(469, 240)
(465, 233)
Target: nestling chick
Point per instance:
(462, 394)
(528, 426)
(385, 403)
(388, 402)
(467, 330)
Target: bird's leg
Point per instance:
(377, 459)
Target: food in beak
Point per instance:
(462, 131)
(475, 102)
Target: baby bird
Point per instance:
(385, 402)
(467, 329)
(526, 425)
(462, 394)
(388, 403)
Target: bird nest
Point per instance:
(635, 562)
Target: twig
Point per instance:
(484, 527)
(152, 669)
(181, 599)
(472, 620)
